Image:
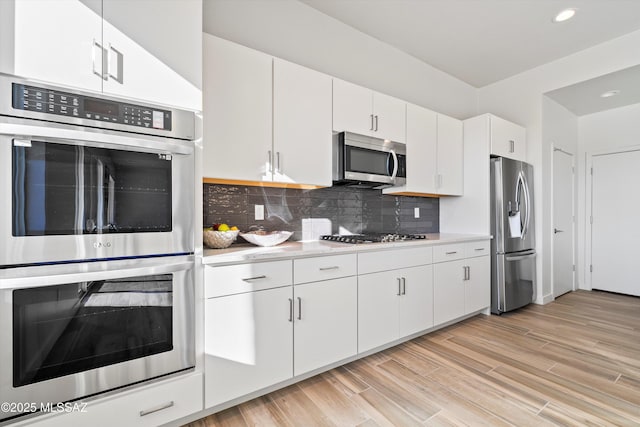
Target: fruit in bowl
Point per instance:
(219, 236)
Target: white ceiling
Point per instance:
(584, 97)
(484, 41)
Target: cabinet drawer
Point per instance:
(323, 268)
(152, 406)
(473, 249)
(236, 279)
(448, 252)
(371, 262)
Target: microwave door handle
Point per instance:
(395, 164)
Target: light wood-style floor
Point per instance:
(575, 362)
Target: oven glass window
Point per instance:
(65, 329)
(368, 161)
(61, 189)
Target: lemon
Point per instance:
(223, 227)
(234, 228)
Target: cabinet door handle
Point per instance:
(464, 272)
(333, 267)
(145, 412)
(100, 73)
(249, 279)
(119, 67)
(479, 249)
(451, 253)
(290, 310)
(404, 286)
(512, 146)
(376, 117)
(399, 286)
(299, 308)
(468, 273)
(371, 115)
(278, 169)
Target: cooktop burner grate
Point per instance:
(372, 238)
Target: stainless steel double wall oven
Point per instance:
(96, 221)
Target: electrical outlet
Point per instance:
(259, 212)
(416, 212)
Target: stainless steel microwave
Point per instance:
(368, 161)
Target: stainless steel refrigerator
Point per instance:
(513, 253)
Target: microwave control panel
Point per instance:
(48, 101)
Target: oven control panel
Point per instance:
(48, 101)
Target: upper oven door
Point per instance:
(78, 194)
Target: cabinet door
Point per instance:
(237, 111)
(508, 139)
(448, 291)
(478, 285)
(54, 41)
(154, 50)
(352, 108)
(301, 124)
(416, 301)
(421, 149)
(248, 343)
(390, 118)
(450, 156)
(326, 328)
(378, 299)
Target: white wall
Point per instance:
(520, 99)
(296, 32)
(560, 128)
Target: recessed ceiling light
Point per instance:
(564, 15)
(609, 93)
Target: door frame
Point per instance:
(589, 155)
(555, 148)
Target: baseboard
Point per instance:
(546, 299)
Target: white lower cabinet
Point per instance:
(393, 304)
(248, 343)
(151, 406)
(462, 286)
(325, 328)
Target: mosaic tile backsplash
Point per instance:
(312, 213)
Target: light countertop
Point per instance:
(249, 253)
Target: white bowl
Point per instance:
(267, 238)
(219, 239)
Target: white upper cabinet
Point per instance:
(360, 110)
(450, 156)
(435, 160)
(265, 119)
(139, 49)
(301, 124)
(154, 50)
(507, 139)
(237, 111)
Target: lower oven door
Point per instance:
(71, 331)
(74, 193)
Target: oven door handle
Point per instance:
(96, 138)
(61, 274)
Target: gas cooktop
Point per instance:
(372, 238)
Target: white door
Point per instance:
(448, 291)
(326, 323)
(352, 108)
(416, 300)
(301, 124)
(154, 50)
(563, 213)
(58, 42)
(614, 232)
(237, 121)
(248, 343)
(450, 156)
(378, 299)
(477, 288)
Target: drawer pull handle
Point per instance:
(249, 279)
(479, 249)
(451, 253)
(335, 267)
(156, 408)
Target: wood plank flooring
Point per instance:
(573, 362)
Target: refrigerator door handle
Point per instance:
(527, 200)
(521, 256)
